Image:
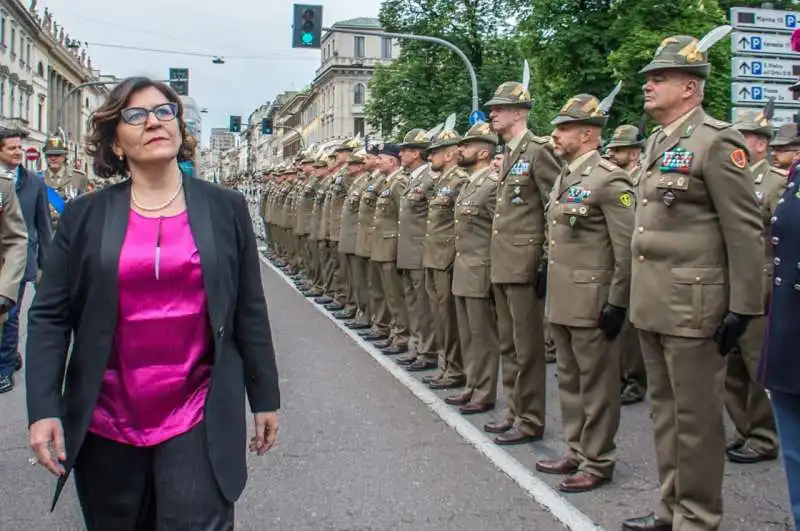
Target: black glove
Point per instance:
(540, 281)
(732, 328)
(5, 305)
(612, 318)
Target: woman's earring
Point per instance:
(121, 158)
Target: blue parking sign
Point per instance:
(756, 68)
(755, 43)
(791, 21)
(756, 93)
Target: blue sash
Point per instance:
(56, 201)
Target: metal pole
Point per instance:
(424, 38)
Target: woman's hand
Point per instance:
(46, 439)
(266, 432)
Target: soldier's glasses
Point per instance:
(166, 112)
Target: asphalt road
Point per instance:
(357, 450)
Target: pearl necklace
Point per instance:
(159, 207)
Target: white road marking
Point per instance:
(566, 513)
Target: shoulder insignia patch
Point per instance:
(542, 140)
(716, 124)
(780, 171)
(607, 165)
(492, 176)
(739, 158)
(626, 199)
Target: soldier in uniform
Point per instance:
(378, 309)
(327, 255)
(356, 270)
(439, 252)
(62, 183)
(316, 249)
(590, 221)
(698, 252)
(384, 247)
(785, 146)
(342, 300)
(411, 232)
(518, 264)
(625, 150)
(304, 206)
(750, 410)
(472, 286)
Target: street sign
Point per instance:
(763, 19)
(776, 68)
(762, 44)
(475, 117)
(753, 92)
(781, 117)
(179, 80)
(31, 154)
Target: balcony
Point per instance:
(337, 61)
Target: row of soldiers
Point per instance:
(654, 256)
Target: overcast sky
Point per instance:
(229, 28)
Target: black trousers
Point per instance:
(168, 487)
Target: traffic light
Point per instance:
(235, 124)
(266, 126)
(307, 27)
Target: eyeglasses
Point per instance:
(166, 112)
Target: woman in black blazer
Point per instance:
(158, 282)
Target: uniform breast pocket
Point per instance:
(519, 192)
(698, 297)
(591, 292)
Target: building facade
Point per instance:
(222, 139)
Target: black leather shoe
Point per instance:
(747, 456)
(646, 523)
(6, 384)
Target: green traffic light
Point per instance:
(308, 38)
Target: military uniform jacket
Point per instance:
(339, 189)
(366, 214)
(305, 206)
(269, 202)
(387, 209)
(349, 223)
(327, 202)
(518, 232)
(413, 218)
(697, 244)
(317, 230)
(590, 220)
(291, 203)
(13, 240)
(439, 245)
(770, 183)
(474, 213)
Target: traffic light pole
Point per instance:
(424, 38)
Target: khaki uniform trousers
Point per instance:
(393, 292)
(629, 351)
(480, 347)
(745, 399)
(329, 260)
(420, 318)
(549, 343)
(520, 326)
(315, 273)
(689, 430)
(378, 309)
(300, 247)
(588, 389)
(342, 286)
(360, 285)
(439, 285)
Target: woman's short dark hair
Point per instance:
(104, 121)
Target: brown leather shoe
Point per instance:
(559, 467)
(474, 409)
(516, 436)
(421, 364)
(447, 383)
(646, 523)
(498, 427)
(459, 399)
(582, 482)
(384, 343)
(408, 359)
(395, 349)
(734, 444)
(745, 455)
(432, 378)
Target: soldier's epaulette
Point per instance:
(8, 176)
(541, 140)
(607, 165)
(716, 124)
(493, 176)
(462, 173)
(780, 171)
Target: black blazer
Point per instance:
(78, 294)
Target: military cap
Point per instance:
(511, 94)
(788, 136)
(626, 136)
(54, 145)
(583, 109)
(389, 149)
(686, 53)
(448, 137)
(760, 124)
(480, 132)
(415, 139)
(357, 157)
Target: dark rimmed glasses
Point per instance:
(166, 112)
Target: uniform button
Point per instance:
(697, 279)
(641, 258)
(777, 261)
(773, 219)
(555, 222)
(497, 215)
(790, 185)
(775, 240)
(496, 232)
(456, 221)
(644, 201)
(552, 242)
(500, 200)
(781, 200)
(458, 254)
(641, 229)
(426, 235)
(428, 222)
(778, 281)
(458, 237)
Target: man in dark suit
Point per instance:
(32, 196)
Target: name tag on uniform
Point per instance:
(339, 180)
(386, 193)
(677, 161)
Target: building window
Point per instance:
(358, 127)
(28, 107)
(359, 94)
(28, 53)
(40, 70)
(359, 47)
(11, 99)
(3, 29)
(2, 96)
(13, 39)
(386, 48)
(40, 116)
(19, 108)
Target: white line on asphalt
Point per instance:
(566, 513)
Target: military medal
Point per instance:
(677, 161)
(572, 220)
(668, 198)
